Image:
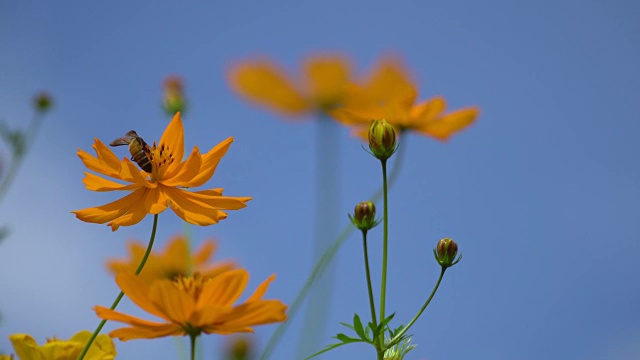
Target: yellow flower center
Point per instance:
(191, 285)
(160, 158)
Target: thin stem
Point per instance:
(29, 135)
(119, 297)
(192, 338)
(415, 318)
(385, 245)
(366, 267)
(326, 259)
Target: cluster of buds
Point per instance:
(445, 253)
(382, 139)
(364, 216)
(174, 100)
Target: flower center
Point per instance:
(160, 158)
(191, 285)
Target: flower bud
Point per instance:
(364, 216)
(174, 100)
(445, 253)
(382, 139)
(239, 348)
(42, 102)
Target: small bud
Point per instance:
(445, 253)
(364, 216)
(382, 139)
(174, 100)
(239, 348)
(42, 102)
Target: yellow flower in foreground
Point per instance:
(391, 95)
(26, 347)
(193, 305)
(323, 85)
(152, 193)
(175, 260)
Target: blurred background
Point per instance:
(542, 193)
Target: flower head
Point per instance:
(390, 94)
(382, 139)
(364, 216)
(175, 260)
(445, 253)
(193, 305)
(164, 186)
(26, 347)
(322, 86)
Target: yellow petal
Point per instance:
(139, 292)
(97, 183)
(428, 110)
(134, 215)
(223, 202)
(209, 316)
(113, 210)
(173, 140)
(192, 210)
(155, 201)
(92, 163)
(224, 289)
(257, 313)
(102, 347)
(450, 123)
(176, 305)
(265, 84)
(148, 332)
(25, 347)
(186, 171)
(209, 163)
(327, 78)
(130, 172)
(389, 81)
(261, 289)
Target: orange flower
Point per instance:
(323, 85)
(391, 95)
(162, 186)
(175, 260)
(193, 305)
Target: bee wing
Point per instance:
(121, 141)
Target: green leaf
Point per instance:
(357, 325)
(329, 347)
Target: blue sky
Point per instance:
(541, 193)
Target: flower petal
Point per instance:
(209, 163)
(261, 289)
(221, 202)
(184, 172)
(113, 210)
(265, 84)
(450, 123)
(389, 80)
(25, 346)
(155, 201)
(175, 304)
(173, 140)
(154, 332)
(134, 214)
(191, 210)
(98, 183)
(224, 289)
(327, 77)
(256, 313)
(139, 292)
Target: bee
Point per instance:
(137, 147)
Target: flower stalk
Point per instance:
(385, 243)
(119, 297)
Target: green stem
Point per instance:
(366, 267)
(29, 135)
(193, 337)
(415, 318)
(385, 245)
(119, 297)
(326, 259)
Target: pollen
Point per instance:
(191, 285)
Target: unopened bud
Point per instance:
(239, 348)
(445, 253)
(174, 100)
(42, 102)
(382, 139)
(364, 216)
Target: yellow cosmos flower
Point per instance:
(391, 95)
(193, 305)
(152, 192)
(26, 347)
(322, 86)
(175, 260)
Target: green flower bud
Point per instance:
(445, 253)
(382, 139)
(364, 216)
(174, 100)
(42, 102)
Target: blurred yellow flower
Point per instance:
(391, 95)
(175, 260)
(193, 305)
(322, 86)
(26, 347)
(152, 192)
